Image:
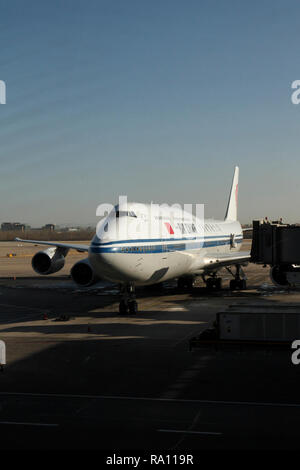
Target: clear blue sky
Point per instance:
(154, 99)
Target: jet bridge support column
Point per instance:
(2, 355)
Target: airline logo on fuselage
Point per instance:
(169, 228)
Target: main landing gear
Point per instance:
(128, 303)
(213, 282)
(185, 282)
(239, 281)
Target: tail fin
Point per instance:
(231, 213)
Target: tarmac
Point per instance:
(80, 376)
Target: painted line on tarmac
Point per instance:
(189, 335)
(152, 399)
(182, 431)
(186, 378)
(28, 424)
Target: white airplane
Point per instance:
(182, 251)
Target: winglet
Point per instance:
(231, 212)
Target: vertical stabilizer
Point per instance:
(231, 213)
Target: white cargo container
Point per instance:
(259, 326)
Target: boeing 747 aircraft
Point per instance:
(183, 250)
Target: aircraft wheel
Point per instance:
(185, 283)
(133, 307)
(123, 307)
(232, 284)
(210, 283)
(218, 283)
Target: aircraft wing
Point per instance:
(80, 248)
(228, 259)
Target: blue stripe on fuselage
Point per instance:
(160, 248)
(154, 240)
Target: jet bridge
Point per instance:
(278, 245)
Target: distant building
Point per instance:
(12, 226)
(69, 229)
(49, 227)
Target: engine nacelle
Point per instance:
(48, 261)
(83, 274)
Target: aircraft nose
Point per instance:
(103, 259)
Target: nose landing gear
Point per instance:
(128, 303)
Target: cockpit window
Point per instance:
(125, 213)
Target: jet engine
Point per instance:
(49, 261)
(83, 274)
(285, 275)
